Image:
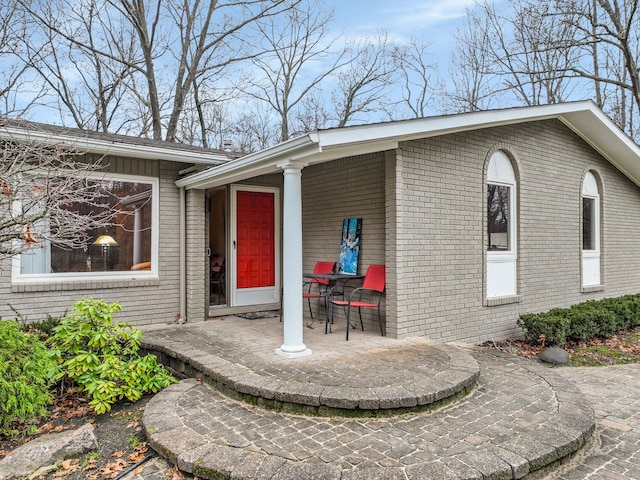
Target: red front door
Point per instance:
(255, 233)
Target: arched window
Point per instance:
(590, 231)
(501, 227)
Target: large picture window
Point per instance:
(125, 246)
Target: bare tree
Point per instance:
(13, 81)
(549, 51)
(88, 86)
(161, 50)
(608, 32)
(255, 128)
(312, 114)
(362, 84)
(524, 48)
(415, 72)
(472, 86)
(207, 120)
(298, 58)
(41, 188)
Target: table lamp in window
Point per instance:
(106, 242)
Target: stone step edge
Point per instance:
(240, 383)
(515, 458)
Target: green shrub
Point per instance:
(44, 328)
(594, 318)
(553, 326)
(584, 321)
(102, 357)
(24, 383)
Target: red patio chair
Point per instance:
(321, 285)
(372, 289)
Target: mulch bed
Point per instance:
(119, 433)
(623, 347)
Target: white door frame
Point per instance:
(258, 295)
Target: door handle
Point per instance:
(234, 244)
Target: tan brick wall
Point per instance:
(143, 300)
(197, 261)
(346, 188)
(442, 250)
(423, 209)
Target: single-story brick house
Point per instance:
(479, 217)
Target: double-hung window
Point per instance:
(128, 245)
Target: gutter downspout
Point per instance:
(183, 257)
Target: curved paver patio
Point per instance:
(381, 381)
(520, 418)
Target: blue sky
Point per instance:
(431, 21)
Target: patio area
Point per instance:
(372, 407)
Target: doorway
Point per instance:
(217, 202)
(254, 274)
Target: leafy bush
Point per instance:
(24, 383)
(594, 318)
(554, 327)
(102, 357)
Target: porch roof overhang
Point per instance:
(108, 144)
(584, 118)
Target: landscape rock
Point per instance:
(554, 355)
(47, 450)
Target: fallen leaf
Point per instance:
(177, 474)
(67, 467)
(136, 457)
(111, 470)
(91, 464)
(46, 427)
(118, 454)
(138, 470)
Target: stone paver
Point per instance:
(375, 376)
(520, 417)
(460, 431)
(615, 394)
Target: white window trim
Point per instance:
(500, 172)
(590, 190)
(512, 223)
(20, 278)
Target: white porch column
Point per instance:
(293, 345)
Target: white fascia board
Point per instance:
(446, 124)
(107, 147)
(325, 145)
(252, 165)
(604, 136)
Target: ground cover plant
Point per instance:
(101, 379)
(25, 364)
